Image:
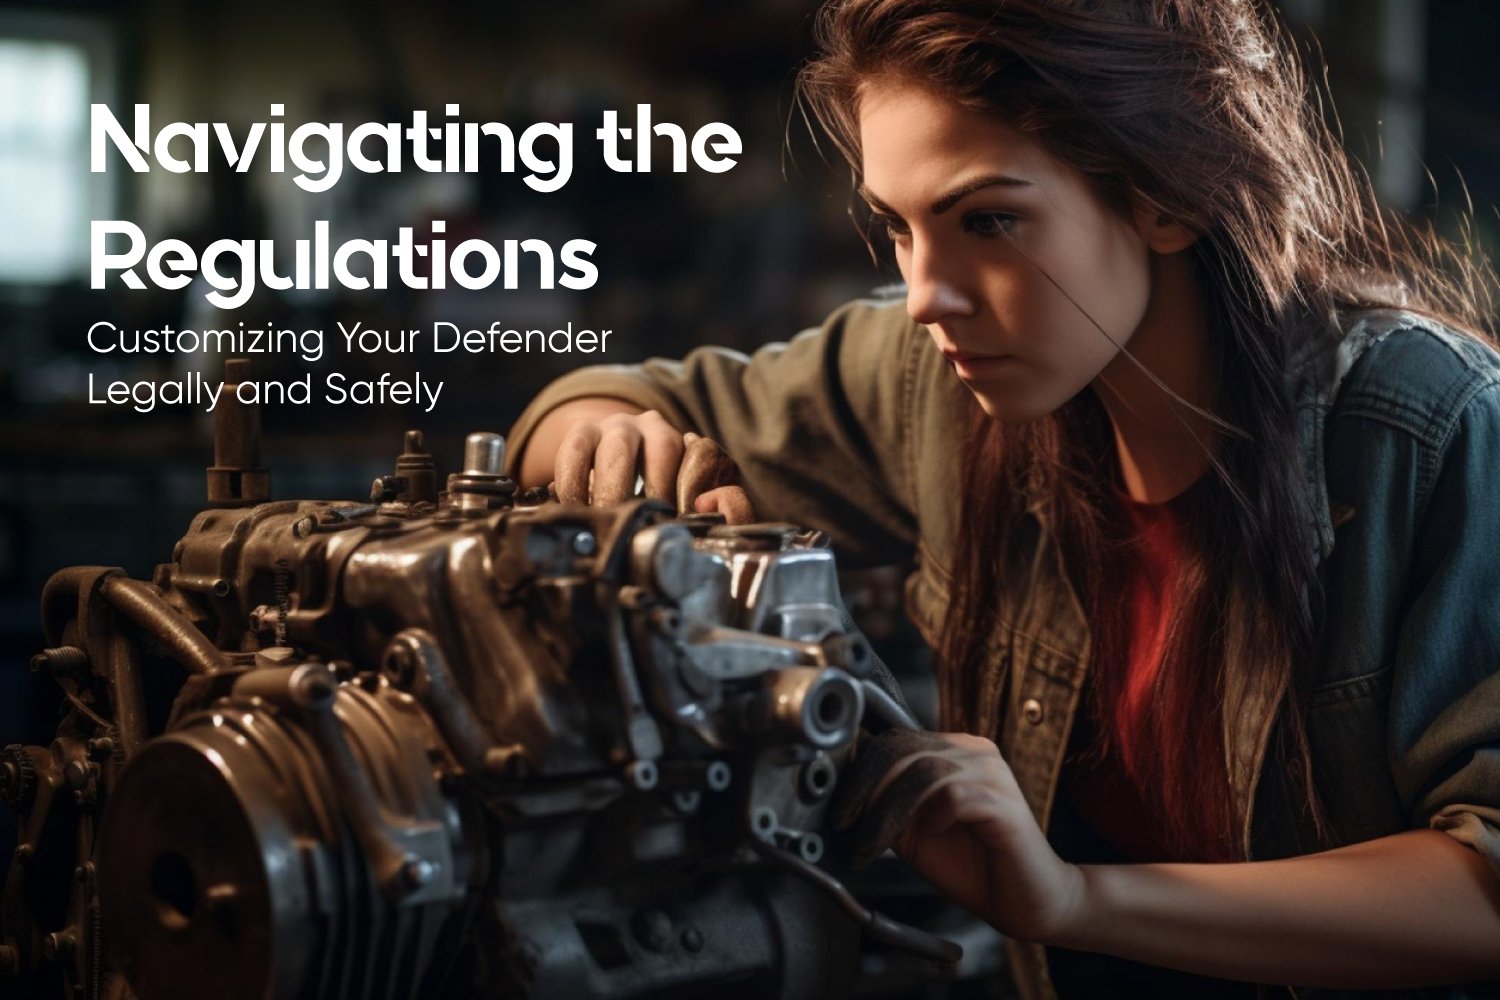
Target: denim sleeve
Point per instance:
(1445, 699)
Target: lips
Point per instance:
(956, 356)
(970, 366)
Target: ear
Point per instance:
(1162, 233)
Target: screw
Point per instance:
(584, 543)
(417, 872)
(58, 946)
(62, 661)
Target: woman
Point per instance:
(1191, 449)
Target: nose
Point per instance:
(933, 289)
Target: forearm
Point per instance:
(1412, 909)
(538, 461)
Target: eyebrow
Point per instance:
(953, 197)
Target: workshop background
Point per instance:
(737, 259)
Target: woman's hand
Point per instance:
(599, 458)
(949, 805)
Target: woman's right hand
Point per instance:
(600, 457)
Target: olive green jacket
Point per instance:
(855, 428)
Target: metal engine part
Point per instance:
(456, 744)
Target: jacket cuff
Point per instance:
(1476, 826)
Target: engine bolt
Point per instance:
(584, 543)
(59, 946)
(417, 872)
(62, 661)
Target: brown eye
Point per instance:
(990, 223)
(895, 229)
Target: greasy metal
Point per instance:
(482, 485)
(364, 750)
(484, 454)
(415, 478)
(237, 478)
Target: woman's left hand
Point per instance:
(949, 805)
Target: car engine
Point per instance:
(458, 741)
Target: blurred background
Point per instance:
(738, 259)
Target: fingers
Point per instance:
(729, 501)
(874, 761)
(903, 777)
(705, 466)
(575, 460)
(662, 455)
(896, 804)
(615, 460)
(598, 460)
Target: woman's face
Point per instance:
(981, 217)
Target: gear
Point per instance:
(17, 775)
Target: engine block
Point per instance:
(469, 743)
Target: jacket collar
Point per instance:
(1320, 362)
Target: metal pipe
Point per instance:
(885, 708)
(145, 609)
(450, 709)
(880, 927)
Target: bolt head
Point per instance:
(418, 872)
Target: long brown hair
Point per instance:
(1199, 111)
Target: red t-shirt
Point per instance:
(1106, 791)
